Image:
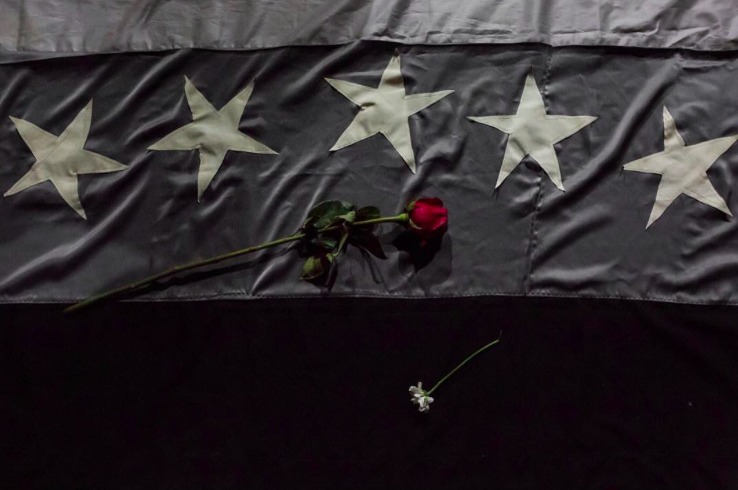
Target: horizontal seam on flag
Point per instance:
(731, 47)
(390, 296)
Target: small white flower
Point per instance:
(420, 397)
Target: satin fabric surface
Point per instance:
(525, 238)
(59, 28)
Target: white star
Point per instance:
(213, 132)
(533, 132)
(683, 169)
(60, 159)
(385, 110)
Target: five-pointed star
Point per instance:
(385, 110)
(533, 132)
(213, 132)
(60, 159)
(683, 169)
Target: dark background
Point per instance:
(595, 394)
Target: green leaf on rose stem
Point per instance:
(367, 213)
(330, 213)
(327, 243)
(342, 243)
(315, 266)
(368, 241)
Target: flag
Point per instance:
(586, 153)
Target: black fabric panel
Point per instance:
(313, 393)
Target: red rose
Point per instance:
(428, 217)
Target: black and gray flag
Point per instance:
(586, 153)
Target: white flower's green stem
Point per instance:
(475, 354)
(147, 281)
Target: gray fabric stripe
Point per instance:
(525, 238)
(56, 27)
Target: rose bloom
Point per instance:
(428, 217)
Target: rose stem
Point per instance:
(400, 218)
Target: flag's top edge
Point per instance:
(56, 27)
